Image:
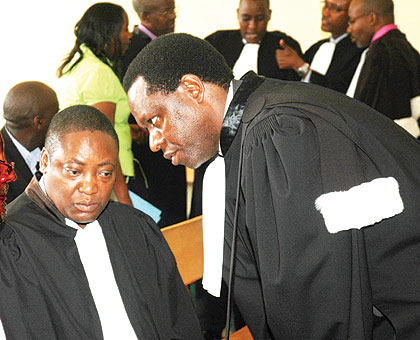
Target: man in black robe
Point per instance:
(326, 211)
(253, 17)
(329, 62)
(74, 265)
(389, 80)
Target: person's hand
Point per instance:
(287, 57)
(138, 134)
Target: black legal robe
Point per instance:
(343, 64)
(230, 44)
(44, 290)
(390, 76)
(294, 279)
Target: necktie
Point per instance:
(213, 225)
(247, 61)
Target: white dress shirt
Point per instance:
(31, 157)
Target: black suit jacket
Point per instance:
(138, 41)
(229, 43)
(23, 173)
(343, 65)
(167, 183)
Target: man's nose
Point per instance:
(89, 184)
(156, 140)
(252, 24)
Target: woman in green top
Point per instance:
(88, 75)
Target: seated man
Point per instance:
(74, 265)
(252, 47)
(28, 109)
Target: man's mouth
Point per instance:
(86, 206)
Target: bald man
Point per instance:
(389, 80)
(28, 109)
(157, 17)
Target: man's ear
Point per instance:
(38, 121)
(372, 19)
(144, 17)
(269, 15)
(193, 86)
(44, 161)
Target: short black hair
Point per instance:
(164, 61)
(74, 119)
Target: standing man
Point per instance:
(322, 193)
(28, 109)
(252, 47)
(74, 265)
(167, 187)
(157, 17)
(329, 62)
(389, 80)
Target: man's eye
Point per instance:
(106, 173)
(72, 172)
(153, 120)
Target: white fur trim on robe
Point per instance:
(360, 206)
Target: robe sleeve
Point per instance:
(293, 280)
(11, 282)
(386, 83)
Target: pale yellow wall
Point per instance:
(35, 35)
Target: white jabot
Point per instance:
(213, 225)
(247, 61)
(2, 335)
(323, 57)
(355, 79)
(94, 255)
(214, 220)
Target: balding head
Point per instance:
(28, 109)
(366, 17)
(382, 8)
(158, 16)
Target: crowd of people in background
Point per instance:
(365, 62)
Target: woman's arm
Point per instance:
(120, 187)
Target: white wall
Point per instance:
(36, 35)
